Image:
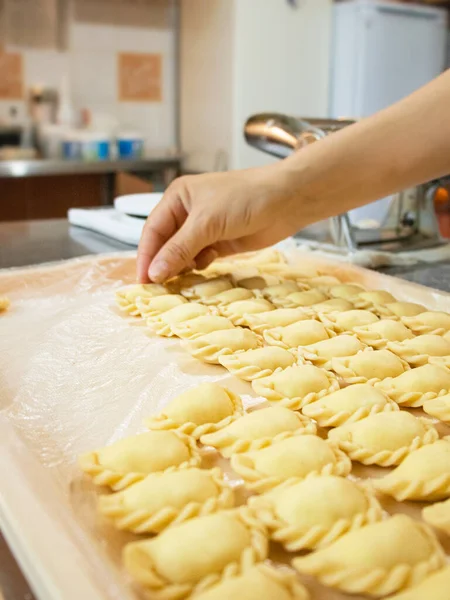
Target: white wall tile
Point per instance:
(93, 77)
(45, 67)
(86, 36)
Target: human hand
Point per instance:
(202, 217)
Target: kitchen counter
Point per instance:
(34, 242)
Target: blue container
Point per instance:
(71, 149)
(130, 147)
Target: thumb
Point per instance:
(178, 252)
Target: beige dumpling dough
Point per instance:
(285, 271)
(433, 587)
(346, 321)
(423, 475)
(296, 386)
(291, 459)
(300, 515)
(182, 557)
(370, 365)
(253, 364)
(280, 290)
(378, 334)
(348, 291)
(384, 438)
(126, 297)
(5, 303)
(256, 282)
(322, 281)
(280, 317)
(194, 328)
(306, 298)
(428, 322)
(373, 298)
(439, 408)
(438, 515)
(260, 582)
(321, 353)
(414, 387)
(228, 296)
(202, 409)
(177, 315)
(208, 288)
(129, 460)
(163, 499)
(349, 404)
(297, 334)
(400, 309)
(418, 350)
(258, 429)
(332, 305)
(211, 346)
(151, 308)
(238, 311)
(380, 559)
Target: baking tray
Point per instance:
(75, 375)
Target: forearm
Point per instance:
(402, 146)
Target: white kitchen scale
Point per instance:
(123, 222)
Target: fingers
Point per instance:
(206, 257)
(164, 220)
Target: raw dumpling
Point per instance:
(439, 407)
(379, 559)
(378, 334)
(385, 438)
(162, 325)
(373, 298)
(126, 297)
(348, 291)
(416, 351)
(237, 311)
(202, 409)
(184, 280)
(414, 387)
(262, 258)
(229, 296)
(279, 317)
(281, 290)
(400, 309)
(347, 321)
(438, 515)
(321, 353)
(151, 308)
(300, 516)
(332, 305)
(297, 334)
(211, 346)
(163, 499)
(252, 283)
(296, 299)
(434, 322)
(296, 386)
(348, 405)
(131, 459)
(369, 366)
(188, 557)
(194, 328)
(208, 288)
(258, 429)
(253, 364)
(433, 587)
(323, 282)
(290, 271)
(423, 475)
(258, 583)
(291, 459)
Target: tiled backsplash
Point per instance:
(100, 34)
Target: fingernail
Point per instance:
(159, 271)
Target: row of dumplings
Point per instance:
(209, 548)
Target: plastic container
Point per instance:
(71, 146)
(130, 146)
(94, 145)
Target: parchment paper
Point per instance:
(76, 375)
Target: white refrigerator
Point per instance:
(381, 52)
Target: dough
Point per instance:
(279, 317)
(321, 353)
(252, 283)
(4, 305)
(211, 346)
(348, 291)
(400, 309)
(384, 438)
(129, 460)
(332, 305)
(414, 387)
(296, 299)
(348, 405)
(163, 499)
(253, 364)
(290, 460)
(238, 311)
(323, 282)
(423, 475)
(229, 296)
(378, 334)
(433, 587)
(297, 334)
(196, 553)
(280, 290)
(194, 328)
(289, 271)
(428, 322)
(301, 516)
(258, 583)
(418, 350)
(208, 288)
(347, 321)
(296, 386)
(439, 408)
(126, 297)
(150, 308)
(369, 366)
(373, 298)
(379, 559)
(258, 429)
(438, 515)
(162, 325)
(202, 409)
